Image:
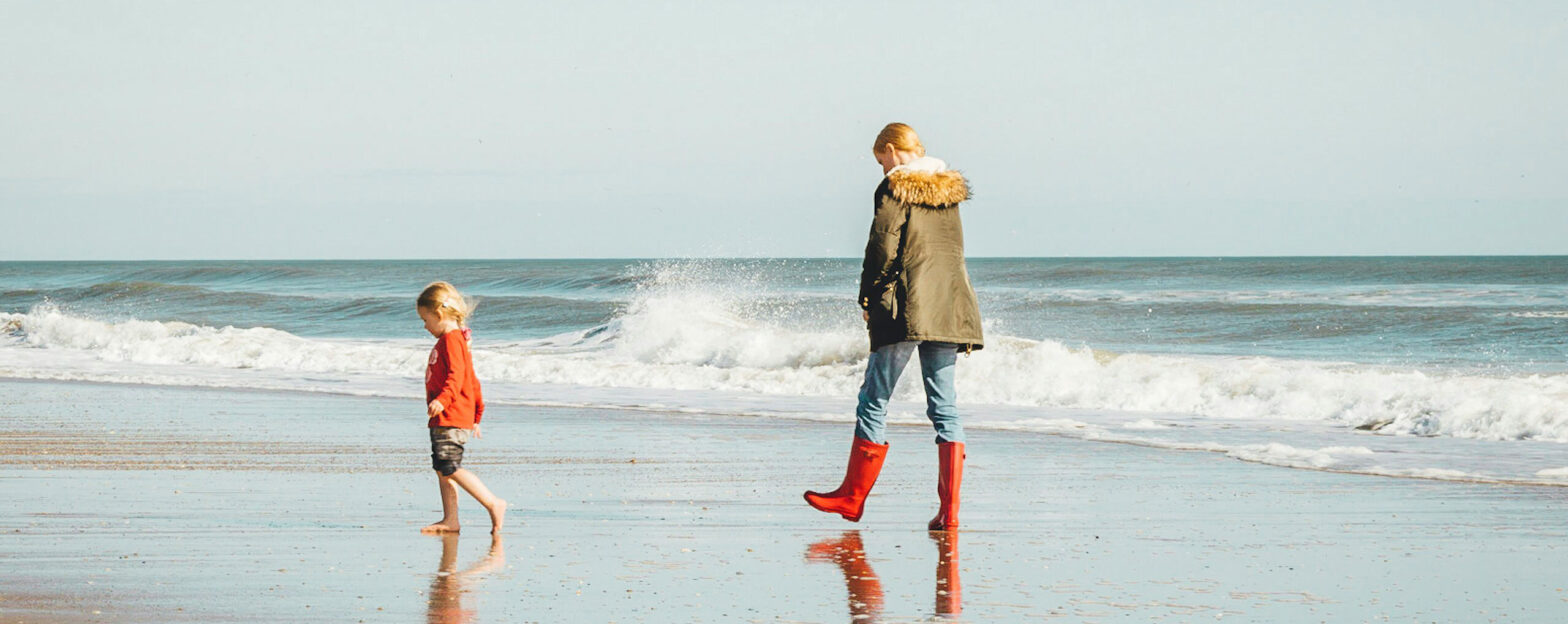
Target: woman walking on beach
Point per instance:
(915, 296)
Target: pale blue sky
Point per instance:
(385, 129)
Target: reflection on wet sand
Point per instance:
(865, 588)
(448, 586)
(949, 589)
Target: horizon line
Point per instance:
(789, 257)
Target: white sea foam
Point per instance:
(1315, 446)
(1553, 473)
(688, 339)
(1551, 314)
(1441, 474)
(695, 327)
(1287, 455)
(593, 369)
(153, 342)
(1016, 371)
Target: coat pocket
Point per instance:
(888, 302)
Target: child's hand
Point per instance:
(436, 408)
(477, 433)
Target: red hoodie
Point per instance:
(450, 379)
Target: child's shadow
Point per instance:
(448, 587)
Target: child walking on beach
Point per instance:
(455, 404)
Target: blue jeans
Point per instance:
(937, 366)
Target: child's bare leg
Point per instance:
(448, 522)
(476, 488)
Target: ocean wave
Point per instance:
(1542, 314)
(681, 334)
(173, 342)
(1372, 296)
(601, 284)
(233, 273)
(1387, 400)
(361, 314)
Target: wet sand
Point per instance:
(146, 504)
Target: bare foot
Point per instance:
(441, 527)
(497, 516)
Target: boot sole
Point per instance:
(807, 496)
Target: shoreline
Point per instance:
(1058, 422)
(624, 516)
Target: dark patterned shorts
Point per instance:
(446, 449)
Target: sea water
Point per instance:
(1446, 367)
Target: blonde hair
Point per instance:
(444, 300)
(901, 137)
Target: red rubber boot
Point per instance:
(951, 457)
(849, 500)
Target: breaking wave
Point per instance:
(681, 335)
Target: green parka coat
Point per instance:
(913, 283)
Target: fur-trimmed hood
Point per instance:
(927, 181)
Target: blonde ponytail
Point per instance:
(443, 299)
(901, 137)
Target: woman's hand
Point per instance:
(865, 315)
(477, 433)
(435, 408)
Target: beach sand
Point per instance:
(154, 504)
